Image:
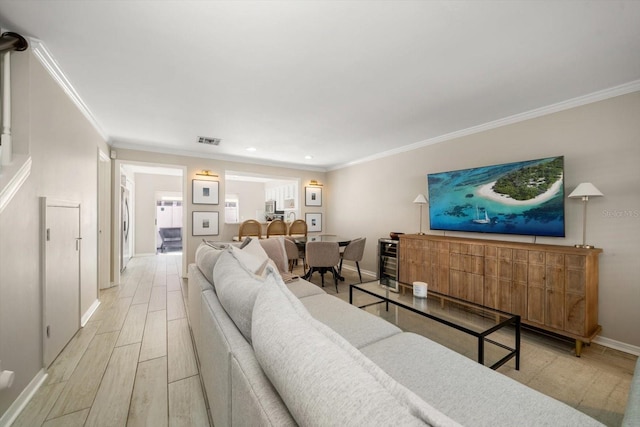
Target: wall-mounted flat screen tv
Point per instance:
(512, 198)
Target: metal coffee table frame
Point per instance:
(378, 290)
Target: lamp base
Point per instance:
(584, 246)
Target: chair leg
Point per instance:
(359, 274)
(340, 267)
(335, 277)
(322, 277)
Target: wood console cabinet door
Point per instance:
(551, 287)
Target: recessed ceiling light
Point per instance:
(252, 149)
(308, 157)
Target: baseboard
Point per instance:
(23, 399)
(617, 345)
(363, 272)
(87, 315)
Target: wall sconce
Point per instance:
(316, 183)
(207, 173)
(584, 191)
(421, 200)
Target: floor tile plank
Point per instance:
(175, 305)
(81, 388)
(133, 326)
(158, 300)
(75, 419)
(113, 398)
(154, 341)
(181, 358)
(186, 403)
(149, 405)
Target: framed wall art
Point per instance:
(313, 196)
(205, 192)
(205, 224)
(314, 222)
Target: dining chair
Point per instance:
(250, 227)
(298, 228)
(293, 253)
(354, 251)
(277, 227)
(322, 257)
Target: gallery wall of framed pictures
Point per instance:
(205, 192)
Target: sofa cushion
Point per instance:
(355, 325)
(314, 370)
(206, 258)
(466, 391)
(302, 289)
(237, 288)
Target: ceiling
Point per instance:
(339, 81)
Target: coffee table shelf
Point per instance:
(473, 319)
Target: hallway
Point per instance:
(133, 363)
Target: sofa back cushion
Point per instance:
(320, 380)
(237, 286)
(206, 258)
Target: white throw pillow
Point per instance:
(252, 256)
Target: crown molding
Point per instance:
(601, 95)
(42, 53)
(115, 143)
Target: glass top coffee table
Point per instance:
(489, 326)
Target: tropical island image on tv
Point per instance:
(513, 198)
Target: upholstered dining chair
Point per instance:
(322, 257)
(250, 227)
(354, 251)
(277, 227)
(298, 228)
(293, 253)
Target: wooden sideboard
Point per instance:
(551, 287)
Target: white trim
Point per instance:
(617, 345)
(601, 95)
(46, 59)
(19, 177)
(87, 314)
(23, 399)
(119, 143)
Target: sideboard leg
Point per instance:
(578, 348)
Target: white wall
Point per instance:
(601, 144)
(251, 196)
(64, 149)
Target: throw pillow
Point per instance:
(274, 248)
(252, 256)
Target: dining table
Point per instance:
(301, 242)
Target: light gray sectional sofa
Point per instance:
(289, 354)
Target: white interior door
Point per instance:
(104, 221)
(61, 281)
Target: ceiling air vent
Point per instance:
(209, 141)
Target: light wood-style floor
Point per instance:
(134, 364)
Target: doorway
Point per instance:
(144, 180)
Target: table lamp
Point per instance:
(421, 200)
(584, 191)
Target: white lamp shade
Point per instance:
(585, 189)
(421, 199)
